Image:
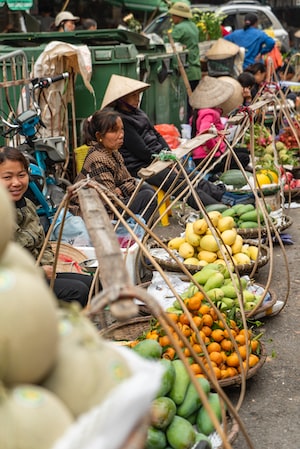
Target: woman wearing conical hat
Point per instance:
(213, 99)
(142, 142)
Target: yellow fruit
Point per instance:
(245, 249)
(186, 250)
(214, 217)
(262, 179)
(209, 243)
(202, 263)
(237, 245)
(253, 252)
(200, 226)
(176, 242)
(190, 236)
(241, 259)
(220, 262)
(271, 174)
(229, 236)
(208, 256)
(225, 223)
(227, 250)
(191, 261)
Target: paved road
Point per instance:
(271, 407)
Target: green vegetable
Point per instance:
(180, 433)
(181, 382)
(234, 178)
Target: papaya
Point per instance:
(192, 400)
(247, 224)
(215, 294)
(234, 177)
(204, 423)
(190, 236)
(156, 439)
(162, 412)
(245, 208)
(176, 242)
(192, 418)
(203, 275)
(214, 281)
(181, 382)
(205, 439)
(229, 291)
(180, 433)
(149, 349)
(167, 377)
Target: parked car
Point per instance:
(234, 12)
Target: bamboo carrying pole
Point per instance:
(180, 65)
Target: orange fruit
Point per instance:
(164, 341)
(233, 360)
(240, 339)
(194, 302)
(197, 320)
(232, 371)
(216, 357)
(204, 309)
(173, 316)
(217, 335)
(243, 351)
(206, 330)
(186, 330)
(213, 347)
(197, 348)
(169, 353)
(184, 319)
(254, 345)
(196, 368)
(213, 313)
(207, 320)
(253, 360)
(226, 344)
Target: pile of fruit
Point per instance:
(223, 347)
(177, 416)
(199, 246)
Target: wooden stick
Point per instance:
(180, 65)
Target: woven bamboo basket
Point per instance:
(252, 233)
(69, 258)
(137, 327)
(169, 264)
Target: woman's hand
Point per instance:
(48, 270)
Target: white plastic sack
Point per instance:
(108, 425)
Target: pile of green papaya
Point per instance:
(178, 418)
(246, 216)
(221, 288)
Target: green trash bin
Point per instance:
(166, 100)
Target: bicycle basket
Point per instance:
(54, 146)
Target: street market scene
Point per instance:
(150, 210)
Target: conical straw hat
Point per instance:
(236, 99)
(119, 86)
(222, 49)
(210, 93)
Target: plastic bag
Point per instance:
(124, 237)
(74, 231)
(109, 424)
(170, 133)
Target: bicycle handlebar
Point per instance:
(46, 82)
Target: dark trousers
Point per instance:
(71, 287)
(145, 198)
(207, 192)
(242, 154)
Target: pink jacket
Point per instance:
(205, 118)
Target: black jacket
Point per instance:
(141, 141)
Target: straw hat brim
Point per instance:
(297, 34)
(222, 49)
(69, 257)
(236, 99)
(181, 9)
(120, 86)
(210, 93)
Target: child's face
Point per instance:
(15, 178)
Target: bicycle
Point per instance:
(46, 187)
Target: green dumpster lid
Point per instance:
(91, 38)
(17, 5)
(140, 5)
